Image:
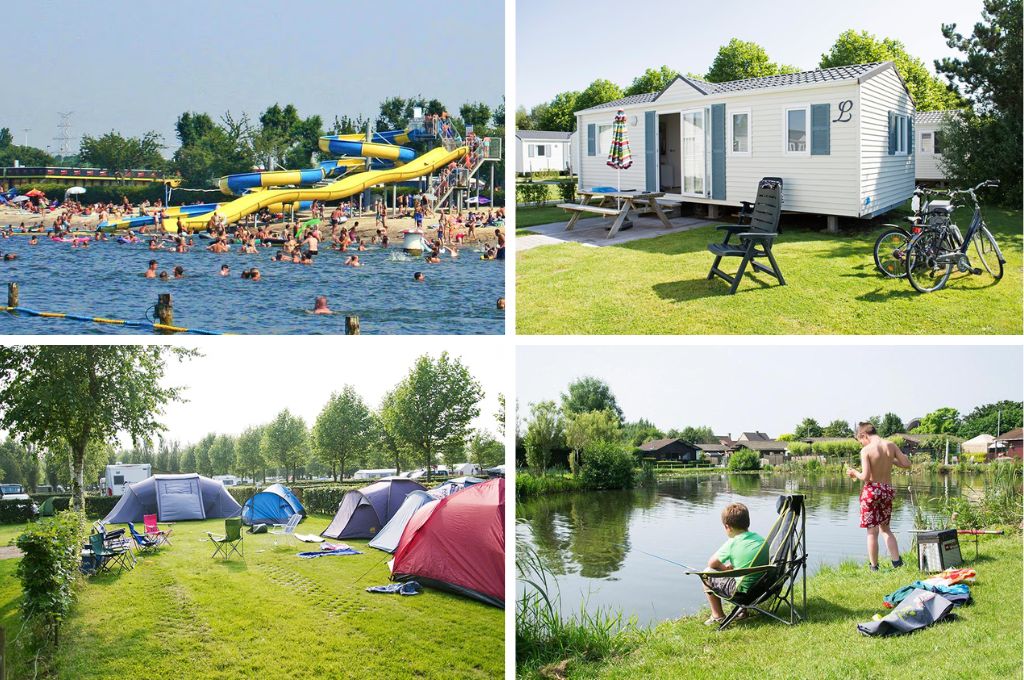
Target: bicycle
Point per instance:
(932, 253)
(890, 249)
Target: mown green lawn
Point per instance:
(181, 614)
(531, 217)
(659, 286)
(985, 641)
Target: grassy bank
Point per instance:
(181, 614)
(659, 286)
(985, 641)
(531, 217)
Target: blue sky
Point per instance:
(772, 388)
(565, 45)
(134, 66)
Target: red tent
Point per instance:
(458, 544)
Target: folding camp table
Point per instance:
(625, 201)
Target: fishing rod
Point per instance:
(665, 559)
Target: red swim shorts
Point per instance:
(876, 504)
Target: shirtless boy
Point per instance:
(876, 459)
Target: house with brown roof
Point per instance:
(675, 450)
(1009, 444)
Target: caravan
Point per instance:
(119, 476)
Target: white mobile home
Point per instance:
(542, 151)
(929, 144)
(117, 477)
(840, 138)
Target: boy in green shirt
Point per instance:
(742, 550)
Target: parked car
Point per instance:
(13, 492)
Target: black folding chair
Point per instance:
(787, 550)
(759, 225)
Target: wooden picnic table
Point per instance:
(625, 201)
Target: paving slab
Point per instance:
(593, 231)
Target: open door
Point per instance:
(694, 152)
(670, 168)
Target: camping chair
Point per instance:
(787, 550)
(231, 541)
(143, 543)
(289, 528)
(756, 234)
(103, 556)
(117, 540)
(154, 532)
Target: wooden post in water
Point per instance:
(351, 325)
(12, 301)
(165, 309)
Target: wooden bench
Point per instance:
(597, 210)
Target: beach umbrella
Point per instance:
(619, 156)
(75, 190)
(20, 199)
(35, 193)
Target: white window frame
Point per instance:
(931, 143)
(806, 108)
(750, 140)
(902, 139)
(601, 149)
(540, 150)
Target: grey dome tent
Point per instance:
(174, 498)
(388, 537)
(274, 505)
(453, 485)
(363, 512)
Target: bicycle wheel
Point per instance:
(987, 252)
(891, 252)
(924, 271)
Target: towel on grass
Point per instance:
(960, 594)
(328, 549)
(918, 610)
(407, 588)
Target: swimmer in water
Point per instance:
(254, 274)
(353, 261)
(418, 276)
(154, 244)
(225, 270)
(151, 272)
(501, 303)
(34, 241)
(164, 276)
(320, 306)
(179, 272)
(10, 256)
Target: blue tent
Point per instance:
(273, 505)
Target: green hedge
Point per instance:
(112, 193)
(96, 507)
(17, 511)
(323, 500)
(49, 570)
(744, 459)
(607, 465)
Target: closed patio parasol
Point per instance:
(619, 156)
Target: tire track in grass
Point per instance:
(311, 592)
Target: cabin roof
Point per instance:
(552, 135)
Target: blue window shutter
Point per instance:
(592, 140)
(910, 134)
(651, 149)
(718, 152)
(892, 133)
(820, 129)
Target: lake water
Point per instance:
(592, 542)
(458, 296)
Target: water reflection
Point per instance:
(595, 544)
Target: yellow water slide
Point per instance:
(233, 211)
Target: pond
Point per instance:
(594, 544)
(458, 296)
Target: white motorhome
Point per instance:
(841, 139)
(467, 470)
(373, 474)
(227, 480)
(118, 476)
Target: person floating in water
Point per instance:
(179, 272)
(34, 241)
(501, 303)
(151, 272)
(320, 305)
(418, 276)
(876, 460)
(225, 270)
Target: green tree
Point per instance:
(434, 405)
(387, 432)
(744, 459)
(75, 395)
(589, 394)
(741, 59)
(499, 415)
(249, 452)
(701, 434)
(222, 454)
(929, 93)
(484, 450)
(498, 118)
(20, 464)
(600, 91)
(187, 461)
(837, 428)
(583, 429)
(945, 420)
(211, 153)
(651, 80)
(559, 113)
(204, 465)
(889, 425)
(286, 442)
(543, 434)
(523, 119)
(343, 428)
(192, 126)
(993, 419)
(477, 114)
(6, 138)
(116, 153)
(26, 155)
(392, 114)
(984, 141)
(808, 427)
(641, 431)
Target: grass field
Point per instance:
(984, 642)
(659, 286)
(180, 614)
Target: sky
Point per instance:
(566, 45)
(771, 388)
(239, 384)
(135, 66)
